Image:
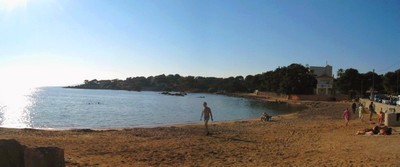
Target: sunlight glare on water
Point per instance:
(14, 107)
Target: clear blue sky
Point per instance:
(63, 42)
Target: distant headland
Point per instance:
(293, 79)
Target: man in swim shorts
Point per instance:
(207, 114)
(371, 110)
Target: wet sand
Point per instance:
(313, 137)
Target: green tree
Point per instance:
(390, 82)
(349, 81)
(292, 79)
(297, 80)
(373, 80)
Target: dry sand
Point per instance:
(314, 137)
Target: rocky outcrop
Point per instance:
(44, 157)
(11, 153)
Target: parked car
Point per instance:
(398, 100)
(394, 100)
(385, 100)
(379, 97)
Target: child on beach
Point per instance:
(381, 117)
(346, 115)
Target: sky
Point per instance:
(64, 42)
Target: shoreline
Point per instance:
(200, 123)
(313, 137)
(248, 96)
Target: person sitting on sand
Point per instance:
(346, 115)
(265, 117)
(206, 113)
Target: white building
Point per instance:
(324, 79)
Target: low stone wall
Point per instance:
(378, 106)
(271, 94)
(319, 97)
(304, 97)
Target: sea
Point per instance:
(66, 108)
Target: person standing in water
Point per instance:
(207, 115)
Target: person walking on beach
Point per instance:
(371, 110)
(354, 107)
(346, 115)
(207, 114)
(360, 111)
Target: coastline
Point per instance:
(251, 112)
(313, 137)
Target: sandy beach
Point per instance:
(313, 137)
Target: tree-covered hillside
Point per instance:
(293, 79)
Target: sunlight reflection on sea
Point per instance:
(14, 107)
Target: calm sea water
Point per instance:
(60, 108)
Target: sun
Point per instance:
(10, 5)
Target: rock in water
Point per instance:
(11, 153)
(44, 157)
